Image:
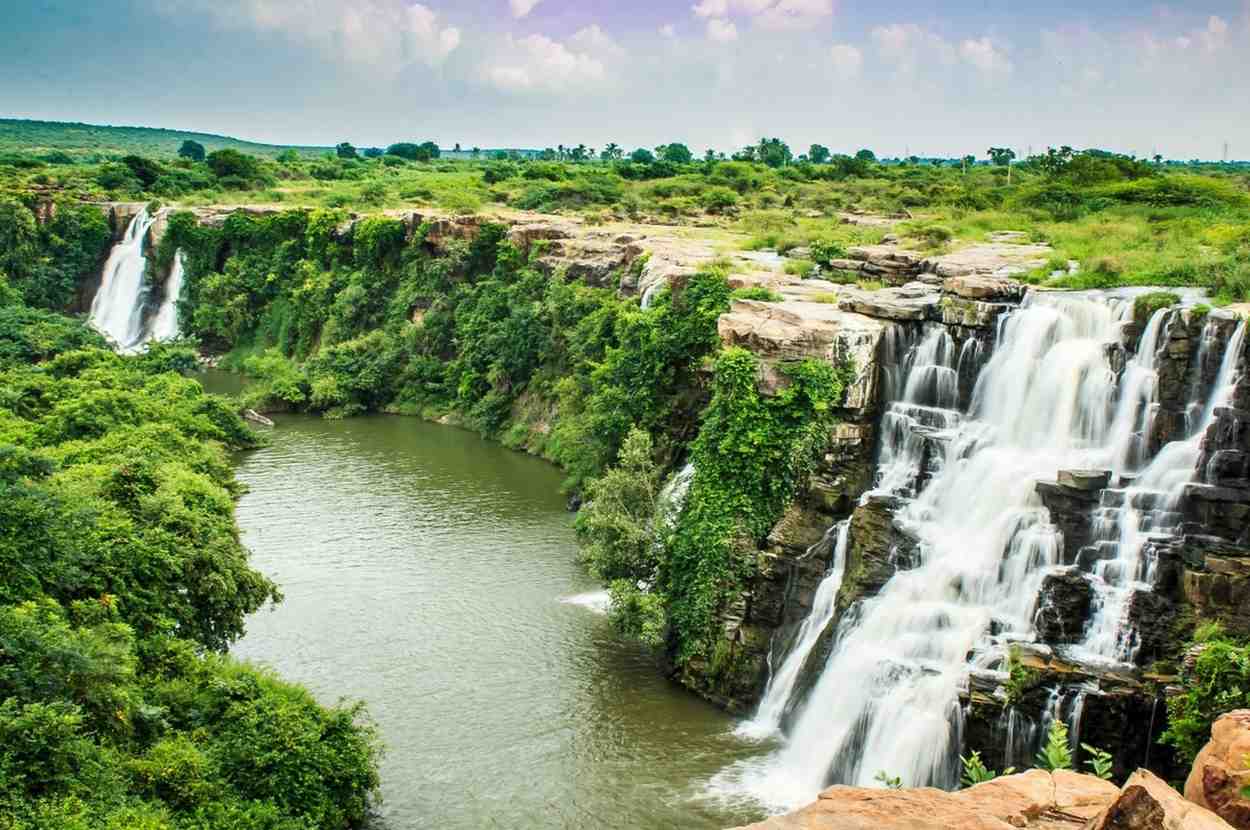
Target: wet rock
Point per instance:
(957, 311)
(1146, 802)
(1219, 772)
(1220, 511)
(1035, 799)
(256, 418)
(1063, 607)
(1071, 510)
(1085, 479)
(877, 548)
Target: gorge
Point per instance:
(1026, 495)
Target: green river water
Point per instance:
(434, 576)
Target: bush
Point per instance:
(719, 199)
(1145, 305)
(1217, 681)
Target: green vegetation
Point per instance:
(1217, 680)
(1100, 762)
(1056, 753)
(1145, 306)
(122, 583)
(1020, 678)
(975, 772)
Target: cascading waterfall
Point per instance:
(165, 325)
(117, 308)
(888, 696)
(1146, 511)
(783, 679)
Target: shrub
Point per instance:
(1216, 681)
(1145, 305)
(719, 200)
(757, 292)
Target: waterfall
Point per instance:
(165, 326)
(117, 309)
(782, 681)
(1131, 518)
(887, 698)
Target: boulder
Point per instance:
(1146, 802)
(1035, 799)
(984, 287)
(1220, 771)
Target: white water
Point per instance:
(165, 326)
(782, 681)
(1148, 510)
(1046, 401)
(117, 309)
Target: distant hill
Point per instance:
(20, 135)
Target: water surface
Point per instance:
(434, 576)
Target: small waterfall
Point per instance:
(783, 681)
(165, 325)
(1047, 399)
(672, 499)
(1131, 519)
(117, 308)
(1019, 738)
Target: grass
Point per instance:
(1183, 227)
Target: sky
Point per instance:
(924, 77)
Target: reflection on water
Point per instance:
(424, 571)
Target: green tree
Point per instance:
(1001, 156)
(866, 155)
(615, 525)
(193, 150)
(345, 151)
(231, 163)
(676, 153)
(612, 152)
(818, 154)
(642, 156)
(774, 152)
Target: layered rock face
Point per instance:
(1222, 770)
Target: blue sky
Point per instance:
(923, 76)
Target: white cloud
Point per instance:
(539, 64)
(847, 60)
(380, 34)
(767, 14)
(521, 8)
(721, 31)
(668, 30)
(595, 41)
(985, 56)
(906, 45)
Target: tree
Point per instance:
(676, 153)
(345, 151)
(710, 155)
(193, 150)
(774, 152)
(145, 170)
(866, 155)
(457, 146)
(373, 152)
(612, 152)
(429, 150)
(405, 150)
(818, 154)
(1001, 156)
(642, 156)
(225, 163)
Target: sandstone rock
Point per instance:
(959, 311)
(984, 287)
(1220, 770)
(1034, 799)
(914, 301)
(1001, 259)
(1146, 802)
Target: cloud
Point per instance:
(906, 45)
(668, 30)
(539, 64)
(985, 56)
(594, 40)
(721, 31)
(521, 8)
(847, 61)
(767, 14)
(375, 33)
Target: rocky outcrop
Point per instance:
(1063, 607)
(1033, 799)
(1222, 770)
(1146, 802)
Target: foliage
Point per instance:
(1020, 678)
(890, 782)
(121, 576)
(975, 772)
(1145, 305)
(1056, 753)
(616, 525)
(1217, 681)
(751, 454)
(192, 150)
(757, 292)
(47, 262)
(1100, 762)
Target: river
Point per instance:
(434, 576)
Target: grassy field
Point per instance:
(1125, 221)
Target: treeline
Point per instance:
(122, 584)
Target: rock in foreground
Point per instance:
(1033, 799)
(1220, 770)
(1147, 803)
